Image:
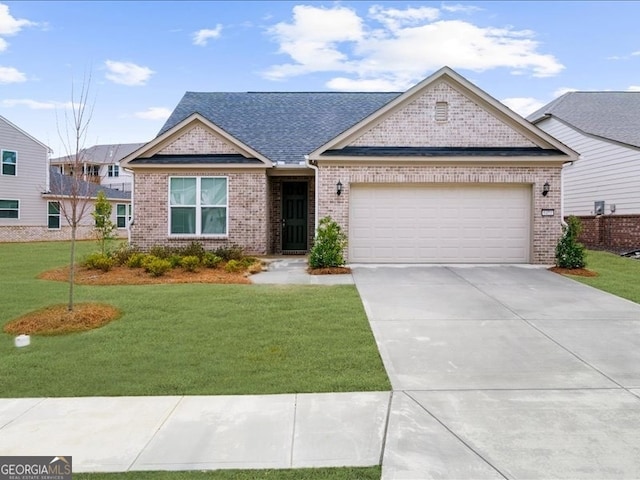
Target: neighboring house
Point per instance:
(30, 193)
(603, 188)
(101, 164)
(440, 173)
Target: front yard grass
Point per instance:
(359, 473)
(185, 339)
(616, 274)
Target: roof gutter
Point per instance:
(317, 189)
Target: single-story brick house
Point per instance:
(440, 173)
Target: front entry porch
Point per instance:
(292, 213)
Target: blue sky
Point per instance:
(143, 56)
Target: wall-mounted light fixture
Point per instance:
(338, 187)
(545, 189)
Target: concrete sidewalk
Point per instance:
(293, 271)
(116, 434)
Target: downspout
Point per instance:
(562, 222)
(317, 190)
(133, 210)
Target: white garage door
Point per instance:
(439, 224)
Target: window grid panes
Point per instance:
(9, 162)
(198, 205)
(123, 215)
(53, 215)
(9, 209)
(113, 171)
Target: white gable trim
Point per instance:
(466, 88)
(160, 142)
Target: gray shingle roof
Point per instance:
(103, 154)
(62, 185)
(282, 126)
(611, 115)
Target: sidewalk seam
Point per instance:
(386, 428)
(42, 400)
(293, 432)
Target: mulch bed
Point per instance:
(578, 272)
(58, 320)
(137, 276)
(328, 271)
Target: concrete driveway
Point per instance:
(505, 372)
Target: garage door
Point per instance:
(439, 224)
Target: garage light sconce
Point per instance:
(545, 189)
(338, 188)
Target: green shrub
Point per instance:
(162, 251)
(136, 259)
(328, 246)
(155, 266)
(99, 261)
(211, 260)
(569, 252)
(175, 260)
(123, 253)
(190, 263)
(194, 249)
(233, 252)
(234, 266)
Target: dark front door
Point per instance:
(294, 216)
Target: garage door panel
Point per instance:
(440, 224)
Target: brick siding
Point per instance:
(247, 214)
(616, 232)
(198, 141)
(44, 234)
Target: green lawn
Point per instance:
(189, 339)
(616, 274)
(365, 473)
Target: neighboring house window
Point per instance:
(53, 215)
(442, 111)
(9, 208)
(198, 205)
(91, 170)
(113, 171)
(123, 214)
(9, 162)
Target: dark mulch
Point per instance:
(328, 270)
(578, 272)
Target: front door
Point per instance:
(294, 216)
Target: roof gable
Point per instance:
(609, 115)
(475, 120)
(194, 136)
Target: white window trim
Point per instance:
(2, 162)
(113, 170)
(59, 215)
(11, 200)
(198, 208)
(127, 215)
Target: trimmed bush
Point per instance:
(99, 261)
(211, 260)
(234, 266)
(233, 252)
(136, 259)
(190, 263)
(194, 249)
(123, 253)
(175, 260)
(569, 252)
(329, 244)
(155, 266)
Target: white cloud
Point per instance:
(523, 105)
(126, 73)
(154, 113)
(635, 54)
(201, 37)
(403, 47)
(10, 25)
(34, 104)
(457, 8)
(373, 85)
(634, 88)
(11, 75)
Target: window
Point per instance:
(53, 215)
(9, 208)
(113, 170)
(198, 205)
(9, 162)
(123, 214)
(91, 170)
(442, 111)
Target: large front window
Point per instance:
(198, 205)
